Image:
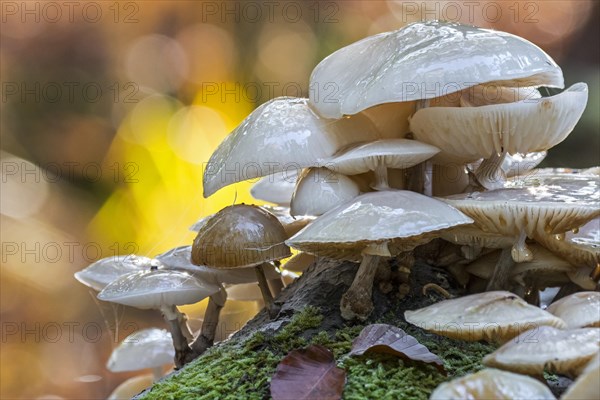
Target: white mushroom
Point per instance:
(281, 134)
(578, 310)
(494, 316)
(148, 348)
(380, 155)
(371, 226)
(161, 290)
(545, 348)
(102, 272)
(424, 60)
(532, 207)
(276, 188)
(492, 384)
(319, 190)
(466, 134)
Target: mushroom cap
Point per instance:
(545, 268)
(131, 387)
(240, 236)
(276, 188)
(148, 348)
(391, 119)
(281, 134)
(466, 134)
(470, 235)
(493, 316)
(319, 190)
(99, 274)
(492, 383)
(244, 292)
(180, 259)
(581, 248)
(586, 384)
(299, 262)
(546, 348)
(548, 204)
(483, 95)
(424, 60)
(392, 153)
(578, 310)
(154, 289)
(400, 218)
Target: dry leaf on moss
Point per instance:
(309, 373)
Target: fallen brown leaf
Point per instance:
(383, 338)
(309, 373)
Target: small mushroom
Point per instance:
(333, 189)
(380, 155)
(372, 226)
(492, 383)
(131, 387)
(424, 60)
(102, 272)
(586, 384)
(578, 310)
(545, 348)
(162, 290)
(148, 348)
(282, 133)
(494, 316)
(276, 188)
(242, 236)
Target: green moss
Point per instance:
(243, 370)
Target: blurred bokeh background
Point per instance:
(110, 109)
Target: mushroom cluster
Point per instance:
(432, 109)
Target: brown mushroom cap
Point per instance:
(546, 348)
(492, 383)
(493, 316)
(240, 236)
(578, 310)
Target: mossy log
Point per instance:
(241, 367)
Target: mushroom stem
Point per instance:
(266, 292)
(381, 177)
(490, 175)
(157, 373)
(499, 279)
(206, 337)
(566, 290)
(357, 302)
(183, 352)
(276, 285)
(183, 323)
(415, 181)
(428, 178)
(520, 252)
